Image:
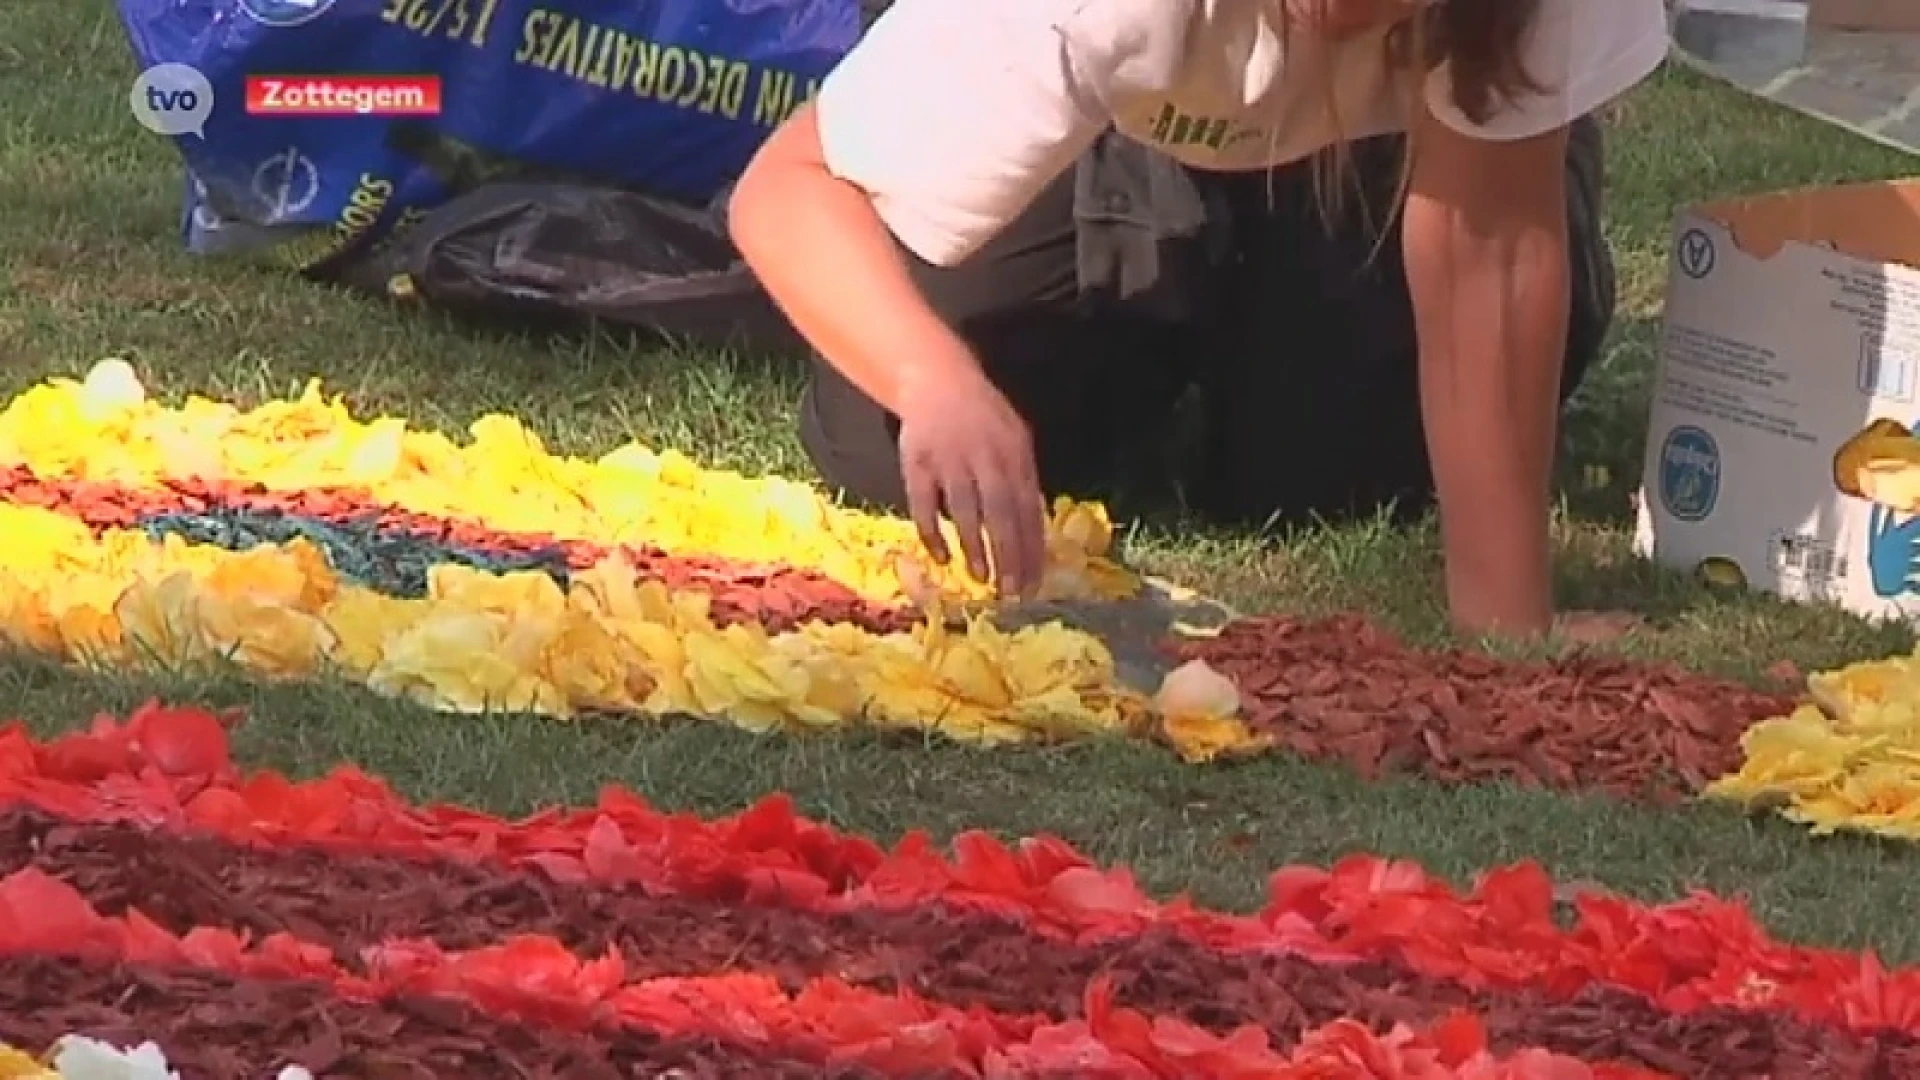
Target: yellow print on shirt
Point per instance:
(1171, 127)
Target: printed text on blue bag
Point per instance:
(612, 59)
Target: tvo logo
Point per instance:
(172, 99)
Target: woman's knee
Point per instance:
(851, 440)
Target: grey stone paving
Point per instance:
(1866, 82)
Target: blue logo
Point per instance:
(285, 12)
(1696, 254)
(1689, 473)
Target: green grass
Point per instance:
(90, 267)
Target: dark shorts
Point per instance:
(1289, 343)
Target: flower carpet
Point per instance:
(163, 912)
(298, 541)
(253, 926)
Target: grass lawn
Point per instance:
(90, 267)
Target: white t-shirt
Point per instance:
(954, 114)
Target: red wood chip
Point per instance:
(223, 1028)
(1343, 688)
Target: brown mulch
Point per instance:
(214, 1027)
(1344, 689)
(351, 902)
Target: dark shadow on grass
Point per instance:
(1603, 434)
(556, 333)
(1595, 577)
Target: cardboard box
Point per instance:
(1901, 16)
(1780, 454)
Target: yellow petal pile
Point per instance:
(1850, 759)
(606, 642)
(480, 641)
(19, 1065)
(107, 429)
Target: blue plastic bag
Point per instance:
(665, 97)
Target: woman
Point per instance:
(1394, 310)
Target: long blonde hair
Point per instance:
(1482, 44)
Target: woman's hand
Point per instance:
(964, 449)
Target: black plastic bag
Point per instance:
(563, 252)
(526, 246)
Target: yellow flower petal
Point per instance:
(17, 1065)
(1201, 737)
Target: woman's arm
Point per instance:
(824, 254)
(941, 125)
(817, 244)
(1485, 238)
(939, 128)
